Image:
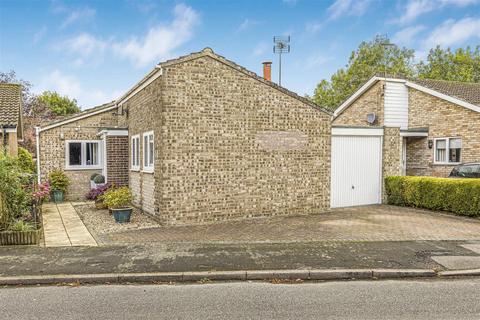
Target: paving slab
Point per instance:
(473, 247)
(458, 262)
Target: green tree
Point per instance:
(59, 105)
(459, 65)
(370, 58)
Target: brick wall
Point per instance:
(52, 150)
(392, 154)
(369, 102)
(444, 119)
(234, 147)
(117, 160)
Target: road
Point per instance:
(433, 299)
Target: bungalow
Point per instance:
(11, 127)
(200, 139)
(399, 126)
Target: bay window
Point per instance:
(448, 150)
(83, 154)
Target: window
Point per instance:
(148, 151)
(448, 150)
(135, 148)
(83, 155)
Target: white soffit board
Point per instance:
(396, 105)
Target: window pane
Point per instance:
(145, 151)
(150, 156)
(455, 148)
(74, 153)
(441, 151)
(91, 153)
(137, 151)
(456, 143)
(133, 152)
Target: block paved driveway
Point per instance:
(366, 223)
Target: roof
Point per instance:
(461, 93)
(468, 92)
(80, 115)
(210, 53)
(10, 104)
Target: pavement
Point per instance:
(433, 299)
(63, 227)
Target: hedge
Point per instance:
(460, 196)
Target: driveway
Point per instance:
(366, 223)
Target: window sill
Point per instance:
(83, 168)
(135, 169)
(151, 171)
(446, 163)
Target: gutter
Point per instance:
(37, 147)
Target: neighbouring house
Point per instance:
(200, 139)
(399, 126)
(11, 127)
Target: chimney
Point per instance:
(267, 70)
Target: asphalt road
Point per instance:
(434, 299)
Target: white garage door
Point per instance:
(356, 170)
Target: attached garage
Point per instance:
(356, 166)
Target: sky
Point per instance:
(94, 51)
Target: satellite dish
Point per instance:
(371, 118)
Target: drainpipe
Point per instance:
(37, 145)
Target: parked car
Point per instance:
(467, 170)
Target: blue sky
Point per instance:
(95, 50)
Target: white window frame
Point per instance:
(148, 162)
(84, 166)
(135, 165)
(447, 151)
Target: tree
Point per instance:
(59, 105)
(370, 58)
(443, 64)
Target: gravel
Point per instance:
(101, 222)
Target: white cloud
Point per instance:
(160, 41)
(416, 8)
(247, 24)
(315, 61)
(313, 27)
(341, 8)
(261, 48)
(85, 45)
(70, 86)
(39, 35)
(453, 32)
(83, 14)
(407, 35)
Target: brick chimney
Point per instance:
(267, 70)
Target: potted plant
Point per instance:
(98, 181)
(119, 201)
(59, 183)
(92, 177)
(96, 195)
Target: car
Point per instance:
(467, 170)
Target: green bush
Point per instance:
(25, 160)
(14, 196)
(92, 177)
(58, 181)
(460, 196)
(117, 198)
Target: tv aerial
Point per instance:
(281, 46)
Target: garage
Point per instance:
(356, 166)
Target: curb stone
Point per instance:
(314, 274)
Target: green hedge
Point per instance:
(460, 196)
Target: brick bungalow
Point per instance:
(200, 139)
(11, 124)
(417, 126)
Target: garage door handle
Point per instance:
(353, 187)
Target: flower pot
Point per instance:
(122, 215)
(57, 196)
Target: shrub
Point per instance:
(92, 177)
(21, 225)
(460, 196)
(25, 160)
(118, 198)
(99, 179)
(96, 193)
(14, 196)
(58, 181)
